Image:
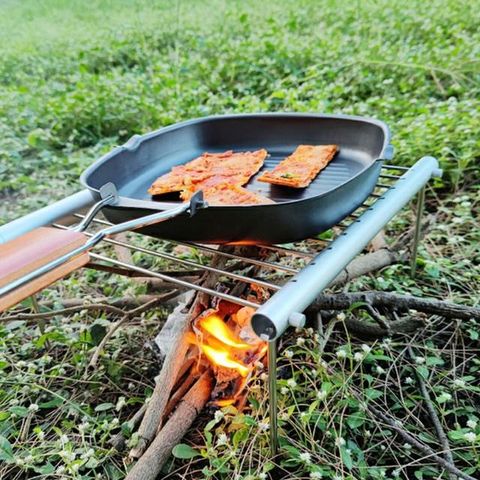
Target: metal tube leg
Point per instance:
(418, 230)
(272, 392)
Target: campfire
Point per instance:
(213, 354)
(225, 342)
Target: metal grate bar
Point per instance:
(175, 281)
(395, 167)
(253, 261)
(182, 261)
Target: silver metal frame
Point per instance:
(326, 258)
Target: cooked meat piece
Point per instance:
(233, 167)
(299, 169)
(233, 195)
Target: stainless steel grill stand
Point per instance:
(418, 231)
(324, 258)
(272, 396)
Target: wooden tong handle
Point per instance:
(33, 250)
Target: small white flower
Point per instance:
(470, 437)
(341, 316)
(305, 457)
(310, 331)
(459, 383)
(219, 415)
(358, 356)
(383, 447)
(262, 476)
(409, 380)
(340, 442)
(366, 348)
(321, 394)
(314, 372)
(89, 453)
(341, 354)
(396, 473)
(284, 390)
(472, 424)
(264, 425)
(288, 353)
(120, 404)
(300, 341)
(33, 407)
(380, 370)
(114, 422)
(386, 342)
(324, 364)
(222, 439)
(291, 383)
(83, 427)
(64, 438)
(444, 397)
(316, 475)
(21, 363)
(263, 377)
(67, 455)
(419, 360)
(368, 433)
(407, 446)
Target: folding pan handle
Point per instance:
(39, 258)
(25, 254)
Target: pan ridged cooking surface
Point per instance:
(344, 166)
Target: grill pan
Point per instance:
(297, 214)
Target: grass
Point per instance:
(75, 81)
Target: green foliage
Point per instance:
(76, 81)
(68, 97)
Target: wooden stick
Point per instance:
(366, 264)
(118, 441)
(176, 397)
(164, 383)
(174, 360)
(377, 299)
(442, 437)
(152, 461)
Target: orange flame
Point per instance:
(225, 402)
(223, 358)
(216, 327)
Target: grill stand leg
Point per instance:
(418, 230)
(272, 392)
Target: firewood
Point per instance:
(174, 360)
(152, 461)
(164, 382)
(376, 299)
(367, 263)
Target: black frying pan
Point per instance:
(298, 213)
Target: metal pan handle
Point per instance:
(50, 254)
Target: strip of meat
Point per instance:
(299, 169)
(230, 167)
(233, 195)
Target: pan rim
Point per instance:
(136, 140)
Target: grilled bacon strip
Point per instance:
(299, 169)
(210, 170)
(233, 195)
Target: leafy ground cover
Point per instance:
(76, 81)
